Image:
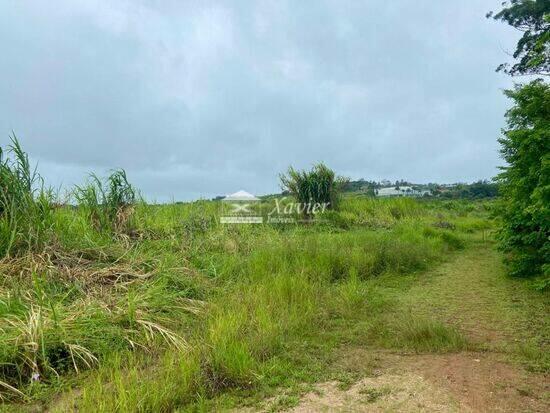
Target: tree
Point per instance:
(525, 146)
(525, 182)
(532, 53)
(482, 189)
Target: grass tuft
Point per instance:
(109, 205)
(418, 334)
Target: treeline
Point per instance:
(476, 190)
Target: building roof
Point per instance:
(389, 191)
(241, 196)
(403, 190)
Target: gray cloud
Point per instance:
(196, 99)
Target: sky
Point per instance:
(196, 99)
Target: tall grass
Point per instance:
(246, 327)
(276, 291)
(127, 307)
(108, 204)
(175, 381)
(55, 327)
(319, 185)
(25, 204)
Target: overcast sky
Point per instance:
(201, 98)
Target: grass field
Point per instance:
(179, 312)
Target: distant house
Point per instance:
(240, 196)
(401, 191)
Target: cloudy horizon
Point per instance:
(199, 99)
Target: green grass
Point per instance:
(182, 313)
(417, 334)
(499, 313)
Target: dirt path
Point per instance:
(462, 382)
(501, 318)
(473, 293)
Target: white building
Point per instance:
(401, 191)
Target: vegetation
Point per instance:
(319, 185)
(532, 17)
(525, 182)
(476, 190)
(25, 205)
(110, 204)
(183, 312)
(114, 305)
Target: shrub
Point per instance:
(319, 185)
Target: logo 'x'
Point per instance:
(240, 208)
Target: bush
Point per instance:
(319, 185)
